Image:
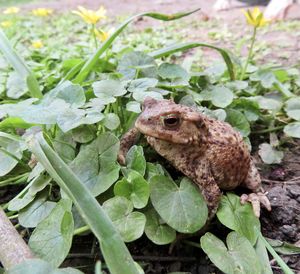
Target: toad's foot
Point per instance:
(256, 199)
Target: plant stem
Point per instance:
(94, 35)
(82, 229)
(278, 259)
(271, 129)
(249, 54)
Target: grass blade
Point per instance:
(85, 70)
(19, 65)
(115, 252)
(185, 46)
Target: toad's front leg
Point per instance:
(128, 140)
(209, 188)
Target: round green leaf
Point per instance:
(135, 188)
(83, 134)
(130, 224)
(52, 238)
(221, 96)
(239, 257)
(111, 121)
(137, 62)
(238, 121)
(96, 165)
(292, 129)
(293, 108)
(112, 88)
(135, 159)
(238, 217)
(157, 230)
(183, 208)
(269, 154)
(37, 211)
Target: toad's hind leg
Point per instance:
(253, 182)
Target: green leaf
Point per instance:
(88, 66)
(293, 108)
(83, 134)
(174, 75)
(14, 122)
(238, 121)
(183, 208)
(238, 257)
(248, 107)
(19, 65)
(284, 248)
(11, 152)
(134, 187)
(64, 145)
(37, 211)
(95, 165)
(221, 96)
(115, 252)
(39, 266)
(238, 217)
(292, 129)
(70, 93)
(268, 103)
(72, 118)
(269, 154)
(16, 86)
(157, 230)
(135, 159)
(265, 77)
(108, 89)
(132, 106)
(52, 238)
(130, 224)
(111, 121)
(189, 45)
(137, 62)
(141, 84)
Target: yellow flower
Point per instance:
(6, 24)
(42, 12)
(255, 17)
(90, 16)
(11, 10)
(102, 35)
(37, 44)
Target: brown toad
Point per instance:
(208, 151)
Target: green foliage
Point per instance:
(89, 102)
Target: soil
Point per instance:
(282, 181)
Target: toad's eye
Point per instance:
(171, 120)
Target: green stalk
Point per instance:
(249, 54)
(189, 45)
(278, 259)
(20, 67)
(114, 250)
(85, 70)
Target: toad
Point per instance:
(208, 151)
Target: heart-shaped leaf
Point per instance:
(130, 224)
(183, 208)
(238, 257)
(157, 230)
(52, 238)
(134, 187)
(135, 159)
(238, 217)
